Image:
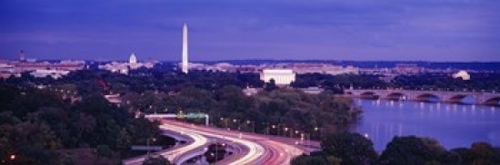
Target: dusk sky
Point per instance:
(424, 30)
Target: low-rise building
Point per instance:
(125, 67)
(55, 74)
(280, 76)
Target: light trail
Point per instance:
(173, 154)
(255, 150)
(199, 141)
(262, 149)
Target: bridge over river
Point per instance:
(484, 98)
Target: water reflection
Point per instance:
(451, 124)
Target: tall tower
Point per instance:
(185, 49)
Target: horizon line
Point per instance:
(307, 60)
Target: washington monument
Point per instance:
(185, 49)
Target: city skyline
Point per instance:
(224, 30)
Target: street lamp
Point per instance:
(308, 139)
(274, 127)
(302, 138)
(147, 143)
(278, 128)
(253, 125)
(225, 121)
(238, 124)
(151, 108)
(317, 129)
(267, 127)
(223, 147)
(216, 150)
(215, 157)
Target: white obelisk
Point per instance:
(185, 49)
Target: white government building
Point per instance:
(124, 67)
(280, 76)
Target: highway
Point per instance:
(253, 150)
(197, 141)
(248, 148)
(261, 149)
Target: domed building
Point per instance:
(462, 74)
(124, 67)
(132, 59)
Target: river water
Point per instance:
(453, 125)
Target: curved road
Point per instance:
(262, 149)
(173, 153)
(254, 150)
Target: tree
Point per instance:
(7, 117)
(334, 160)
(465, 155)
(484, 153)
(308, 160)
(271, 85)
(413, 150)
(103, 151)
(95, 105)
(156, 160)
(32, 143)
(84, 124)
(352, 148)
(124, 140)
(232, 100)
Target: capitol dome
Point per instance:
(132, 59)
(462, 74)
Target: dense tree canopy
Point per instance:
(156, 160)
(414, 150)
(338, 82)
(428, 81)
(423, 81)
(36, 123)
(349, 148)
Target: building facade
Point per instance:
(280, 76)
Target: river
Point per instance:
(453, 125)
